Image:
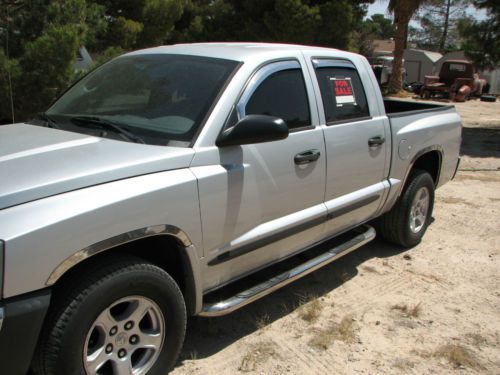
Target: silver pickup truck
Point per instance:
(170, 176)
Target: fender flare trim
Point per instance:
(195, 284)
(81, 255)
(422, 152)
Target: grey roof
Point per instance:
(231, 51)
(433, 56)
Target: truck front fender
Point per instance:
(45, 238)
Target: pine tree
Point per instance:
(438, 21)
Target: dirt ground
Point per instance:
(433, 309)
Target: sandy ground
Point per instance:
(433, 309)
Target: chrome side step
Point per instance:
(260, 290)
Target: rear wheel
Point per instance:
(405, 224)
(425, 94)
(128, 317)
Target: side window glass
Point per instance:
(343, 94)
(283, 94)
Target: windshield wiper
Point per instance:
(49, 121)
(98, 122)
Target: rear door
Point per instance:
(356, 141)
(259, 205)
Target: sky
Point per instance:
(380, 6)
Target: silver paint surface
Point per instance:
(66, 196)
(37, 162)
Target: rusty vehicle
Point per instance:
(453, 76)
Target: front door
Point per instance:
(258, 203)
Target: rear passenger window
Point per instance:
(282, 94)
(343, 95)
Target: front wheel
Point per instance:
(405, 224)
(127, 317)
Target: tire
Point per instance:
(397, 226)
(78, 324)
(488, 98)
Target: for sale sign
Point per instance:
(343, 92)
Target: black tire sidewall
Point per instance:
(419, 179)
(156, 286)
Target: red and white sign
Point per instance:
(342, 89)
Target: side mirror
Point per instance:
(253, 129)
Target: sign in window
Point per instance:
(343, 91)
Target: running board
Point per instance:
(260, 290)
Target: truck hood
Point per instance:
(37, 162)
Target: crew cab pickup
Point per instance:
(170, 176)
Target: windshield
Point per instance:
(161, 98)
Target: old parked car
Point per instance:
(382, 67)
(456, 81)
(170, 181)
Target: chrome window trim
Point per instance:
(260, 75)
(325, 62)
(120, 239)
(2, 314)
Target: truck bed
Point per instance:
(419, 128)
(394, 108)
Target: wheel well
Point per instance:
(430, 162)
(164, 251)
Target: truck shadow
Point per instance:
(207, 336)
(481, 142)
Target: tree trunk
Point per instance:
(442, 42)
(396, 80)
